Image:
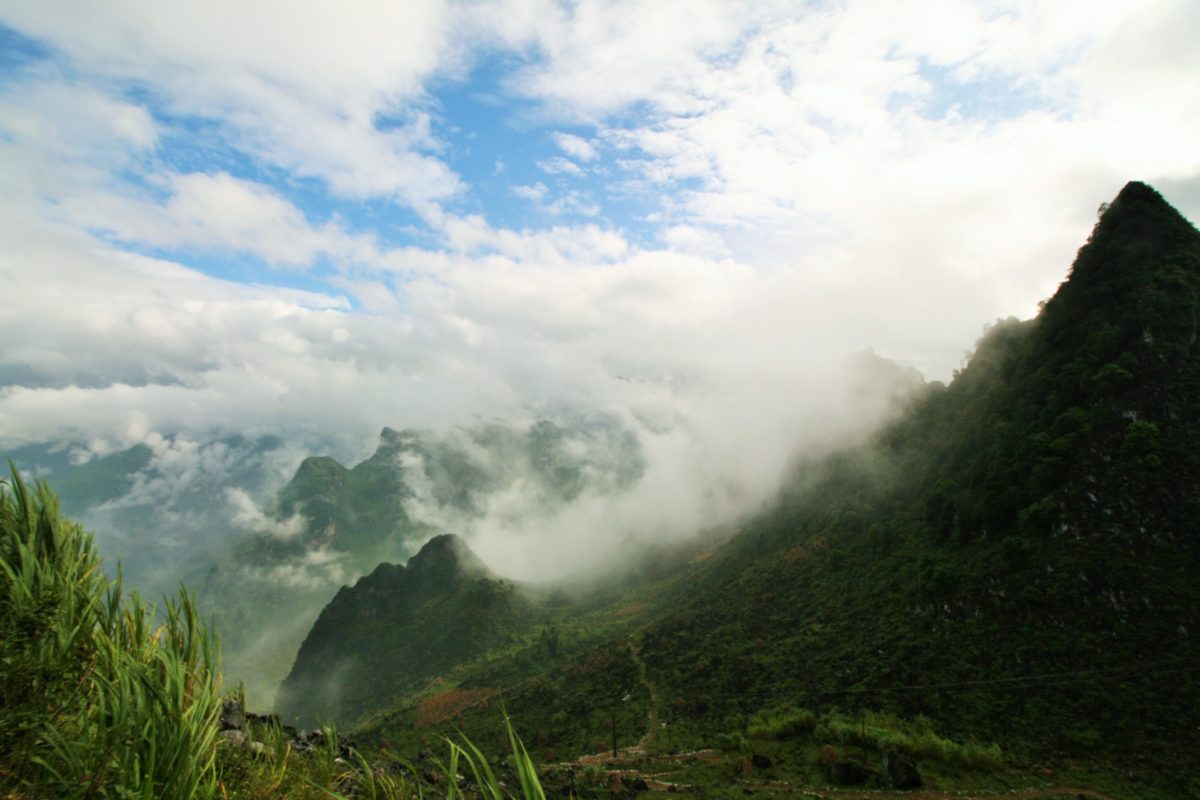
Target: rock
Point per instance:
(234, 737)
(258, 748)
(233, 718)
(761, 761)
(638, 784)
(901, 771)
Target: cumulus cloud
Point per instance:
(557, 165)
(576, 147)
(304, 100)
(534, 192)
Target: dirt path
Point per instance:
(627, 755)
(925, 794)
(652, 731)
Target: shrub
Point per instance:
(916, 738)
(781, 723)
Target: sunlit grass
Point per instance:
(100, 695)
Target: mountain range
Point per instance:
(1007, 572)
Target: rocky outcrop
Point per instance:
(242, 729)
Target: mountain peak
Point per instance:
(1136, 190)
(1129, 281)
(444, 557)
(1140, 211)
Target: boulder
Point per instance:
(233, 718)
(234, 737)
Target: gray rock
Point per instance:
(233, 718)
(234, 737)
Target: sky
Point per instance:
(312, 220)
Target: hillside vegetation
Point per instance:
(1012, 562)
(102, 696)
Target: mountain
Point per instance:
(1014, 560)
(399, 628)
(367, 511)
(331, 524)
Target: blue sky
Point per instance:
(432, 210)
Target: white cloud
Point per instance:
(533, 192)
(247, 515)
(306, 97)
(573, 202)
(576, 147)
(557, 165)
(211, 212)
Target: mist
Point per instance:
(697, 359)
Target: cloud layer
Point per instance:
(271, 219)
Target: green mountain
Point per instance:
(1015, 560)
(445, 607)
(331, 524)
(366, 511)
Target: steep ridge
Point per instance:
(332, 523)
(1015, 558)
(396, 630)
(1018, 556)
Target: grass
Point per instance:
(873, 730)
(100, 694)
(105, 696)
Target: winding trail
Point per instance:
(655, 703)
(627, 755)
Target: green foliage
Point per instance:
(916, 737)
(874, 730)
(98, 696)
(102, 696)
(1015, 556)
(361, 778)
(781, 723)
(399, 628)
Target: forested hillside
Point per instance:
(1014, 560)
